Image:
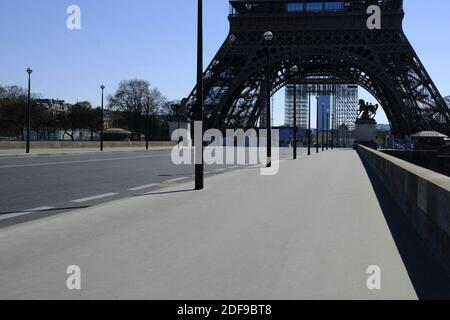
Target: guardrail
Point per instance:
(422, 194)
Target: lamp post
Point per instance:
(317, 126)
(309, 121)
(268, 36)
(198, 114)
(294, 71)
(323, 127)
(332, 130)
(328, 128)
(29, 71)
(102, 124)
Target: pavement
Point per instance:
(309, 232)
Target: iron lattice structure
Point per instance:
(330, 43)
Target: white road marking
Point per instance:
(147, 186)
(220, 170)
(25, 212)
(176, 179)
(100, 196)
(234, 167)
(79, 161)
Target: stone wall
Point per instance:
(423, 195)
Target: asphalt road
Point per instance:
(39, 186)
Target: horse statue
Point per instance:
(367, 111)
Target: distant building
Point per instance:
(55, 107)
(287, 138)
(428, 140)
(340, 100)
(324, 112)
(345, 106)
(302, 106)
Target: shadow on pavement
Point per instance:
(163, 192)
(427, 275)
(45, 210)
(35, 215)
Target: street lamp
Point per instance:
(268, 36)
(102, 124)
(323, 127)
(317, 126)
(294, 71)
(328, 128)
(29, 71)
(332, 129)
(198, 113)
(309, 120)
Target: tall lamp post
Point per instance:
(29, 71)
(332, 130)
(317, 126)
(309, 120)
(294, 71)
(323, 127)
(268, 36)
(328, 128)
(102, 124)
(198, 114)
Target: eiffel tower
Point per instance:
(331, 43)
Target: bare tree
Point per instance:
(137, 101)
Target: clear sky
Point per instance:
(153, 40)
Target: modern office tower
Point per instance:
(340, 100)
(302, 106)
(324, 112)
(345, 106)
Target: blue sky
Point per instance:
(153, 40)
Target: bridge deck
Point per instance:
(309, 232)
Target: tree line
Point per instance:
(135, 106)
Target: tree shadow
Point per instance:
(428, 276)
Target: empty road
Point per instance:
(39, 186)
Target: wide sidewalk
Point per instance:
(309, 232)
